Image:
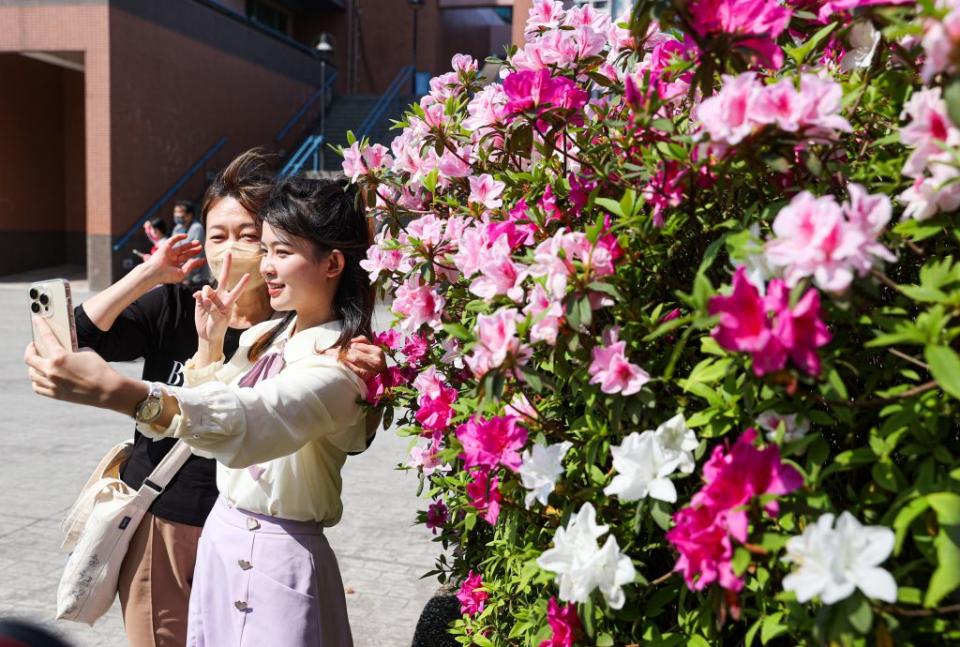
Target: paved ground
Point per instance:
(48, 449)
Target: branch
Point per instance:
(919, 613)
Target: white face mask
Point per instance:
(245, 259)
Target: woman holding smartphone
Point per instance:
(280, 418)
(149, 314)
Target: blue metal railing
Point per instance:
(321, 92)
(310, 149)
(169, 194)
(375, 115)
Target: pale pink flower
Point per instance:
(726, 116)
(381, 257)
(546, 315)
(471, 250)
(486, 109)
(929, 195)
(418, 304)
(486, 191)
(929, 129)
(823, 99)
(780, 104)
(428, 384)
(611, 369)
(428, 229)
(814, 237)
(463, 63)
(499, 274)
(496, 341)
(353, 166)
(940, 41)
(426, 458)
(544, 14)
(454, 164)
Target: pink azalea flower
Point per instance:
(484, 190)
(664, 190)
(564, 623)
(704, 531)
(780, 104)
(929, 128)
(484, 494)
(544, 14)
(389, 339)
(454, 164)
(832, 7)
(611, 369)
(463, 63)
(743, 324)
(819, 238)
(436, 516)
(940, 40)
(493, 442)
(486, 109)
(546, 314)
(472, 597)
(497, 340)
(426, 458)
(800, 329)
(823, 98)
(527, 89)
(499, 274)
(765, 20)
(436, 411)
(706, 549)
(418, 304)
(353, 166)
(726, 116)
(733, 477)
(471, 250)
(415, 348)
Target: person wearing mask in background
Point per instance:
(156, 231)
(149, 314)
(185, 223)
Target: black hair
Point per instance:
(247, 179)
(159, 225)
(186, 204)
(329, 215)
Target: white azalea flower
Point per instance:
(863, 39)
(613, 570)
(792, 429)
(642, 468)
(540, 469)
(581, 566)
(678, 442)
(833, 561)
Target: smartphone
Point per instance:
(51, 299)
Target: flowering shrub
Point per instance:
(677, 310)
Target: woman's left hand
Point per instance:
(83, 378)
(363, 357)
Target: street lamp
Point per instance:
(324, 49)
(415, 5)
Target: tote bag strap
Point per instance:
(164, 472)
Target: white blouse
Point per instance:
(294, 429)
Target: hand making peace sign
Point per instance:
(212, 314)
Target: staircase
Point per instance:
(365, 115)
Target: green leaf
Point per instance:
(952, 98)
(945, 368)
(351, 138)
(772, 627)
(947, 507)
(801, 52)
(697, 641)
(482, 641)
(741, 560)
(861, 618)
(906, 516)
(947, 576)
(610, 205)
(604, 640)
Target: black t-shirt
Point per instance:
(159, 327)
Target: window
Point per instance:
(268, 15)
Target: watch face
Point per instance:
(150, 409)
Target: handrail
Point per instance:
(311, 145)
(230, 12)
(169, 194)
(321, 91)
(380, 107)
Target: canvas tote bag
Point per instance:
(98, 528)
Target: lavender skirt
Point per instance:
(261, 580)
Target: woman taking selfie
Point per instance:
(131, 320)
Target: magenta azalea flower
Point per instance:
(436, 515)
(493, 442)
(472, 598)
(484, 493)
(755, 23)
(563, 622)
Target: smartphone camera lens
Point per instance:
(35, 307)
(44, 299)
(33, 293)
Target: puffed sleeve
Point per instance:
(240, 427)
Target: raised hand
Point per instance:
(213, 309)
(362, 356)
(174, 260)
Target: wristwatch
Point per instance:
(150, 409)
